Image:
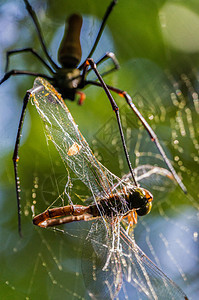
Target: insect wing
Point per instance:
(143, 274)
(64, 133)
(150, 177)
(102, 274)
(120, 269)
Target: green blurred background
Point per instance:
(157, 45)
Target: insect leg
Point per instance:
(39, 32)
(132, 218)
(31, 50)
(148, 128)
(115, 108)
(107, 13)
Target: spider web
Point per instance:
(176, 215)
(47, 263)
(168, 235)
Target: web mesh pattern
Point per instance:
(47, 262)
(118, 257)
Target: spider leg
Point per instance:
(115, 108)
(18, 72)
(15, 158)
(108, 55)
(107, 13)
(31, 50)
(148, 128)
(39, 32)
